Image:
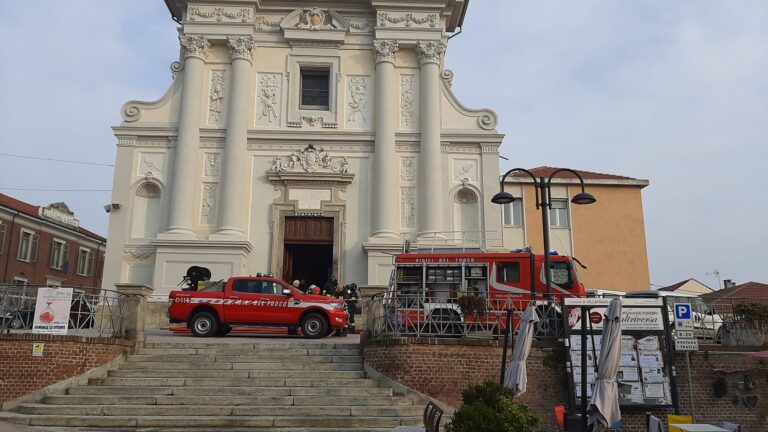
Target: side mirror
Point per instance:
(287, 292)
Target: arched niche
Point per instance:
(146, 213)
(466, 217)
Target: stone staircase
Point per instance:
(281, 386)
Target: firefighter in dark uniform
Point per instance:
(340, 293)
(329, 288)
(353, 295)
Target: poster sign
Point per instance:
(52, 311)
(638, 318)
(37, 349)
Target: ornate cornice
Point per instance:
(384, 50)
(430, 52)
(194, 46)
(240, 47)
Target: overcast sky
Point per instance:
(673, 92)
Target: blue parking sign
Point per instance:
(682, 311)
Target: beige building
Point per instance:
(307, 139)
(607, 236)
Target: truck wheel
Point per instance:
(314, 326)
(204, 324)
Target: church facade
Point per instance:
(305, 139)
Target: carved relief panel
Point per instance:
(465, 170)
(408, 103)
(208, 204)
(268, 99)
(151, 165)
(211, 165)
(408, 207)
(216, 98)
(358, 106)
(407, 168)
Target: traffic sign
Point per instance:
(682, 311)
(683, 316)
(684, 334)
(686, 345)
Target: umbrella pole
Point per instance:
(584, 318)
(506, 346)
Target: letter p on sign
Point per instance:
(682, 311)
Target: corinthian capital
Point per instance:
(431, 52)
(385, 50)
(240, 47)
(194, 46)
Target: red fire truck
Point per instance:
(255, 301)
(428, 287)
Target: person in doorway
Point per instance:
(329, 287)
(297, 284)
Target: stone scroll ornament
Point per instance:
(310, 160)
(314, 19)
(194, 46)
(384, 50)
(431, 52)
(240, 47)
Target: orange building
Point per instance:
(607, 236)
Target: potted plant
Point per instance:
(488, 407)
(472, 306)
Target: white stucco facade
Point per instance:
(208, 173)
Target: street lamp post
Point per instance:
(543, 192)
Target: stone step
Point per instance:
(217, 410)
(229, 391)
(285, 365)
(210, 422)
(234, 382)
(251, 358)
(238, 344)
(142, 400)
(250, 351)
(234, 374)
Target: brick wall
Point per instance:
(442, 368)
(63, 357)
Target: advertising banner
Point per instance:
(638, 318)
(52, 311)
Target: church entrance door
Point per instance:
(308, 246)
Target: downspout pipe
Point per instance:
(8, 252)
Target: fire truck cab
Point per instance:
(429, 286)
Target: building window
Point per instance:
(558, 214)
(27, 246)
(315, 83)
(2, 237)
(84, 262)
(20, 281)
(513, 213)
(59, 252)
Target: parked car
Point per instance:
(707, 323)
(18, 319)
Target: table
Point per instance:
(698, 427)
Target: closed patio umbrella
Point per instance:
(516, 377)
(604, 405)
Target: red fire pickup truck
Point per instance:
(255, 301)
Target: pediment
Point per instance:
(314, 26)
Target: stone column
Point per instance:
(134, 302)
(430, 203)
(385, 190)
(184, 181)
(235, 181)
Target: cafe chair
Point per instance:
(730, 427)
(678, 419)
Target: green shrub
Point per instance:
(472, 305)
(488, 407)
(755, 312)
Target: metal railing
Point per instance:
(413, 315)
(93, 311)
(463, 240)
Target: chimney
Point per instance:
(727, 283)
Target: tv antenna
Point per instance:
(716, 274)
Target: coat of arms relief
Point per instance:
(310, 160)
